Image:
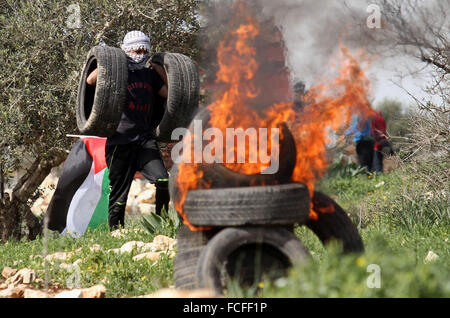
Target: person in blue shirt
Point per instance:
(362, 136)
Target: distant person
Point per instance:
(364, 141)
(299, 96)
(381, 144)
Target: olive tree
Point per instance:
(42, 51)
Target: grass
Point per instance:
(399, 219)
(400, 223)
(122, 276)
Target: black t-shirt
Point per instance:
(142, 94)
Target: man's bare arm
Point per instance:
(162, 73)
(92, 78)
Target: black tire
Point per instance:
(262, 205)
(99, 108)
(189, 245)
(335, 225)
(183, 93)
(231, 248)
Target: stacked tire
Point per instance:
(251, 220)
(99, 109)
(246, 221)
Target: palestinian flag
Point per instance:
(81, 196)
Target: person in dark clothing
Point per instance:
(360, 129)
(299, 96)
(381, 144)
(132, 147)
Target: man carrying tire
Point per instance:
(132, 148)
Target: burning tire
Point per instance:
(334, 225)
(247, 255)
(183, 93)
(190, 245)
(263, 205)
(99, 108)
(217, 175)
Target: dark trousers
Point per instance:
(123, 161)
(364, 150)
(377, 163)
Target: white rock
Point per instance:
(180, 293)
(136, 188)
(164, 243)
(7, 272)
(151, 256)
(95, 248)
(145, 208)
(147, 196)
(431, 257)
(23, 276)
(131, 208)
(379, 184)
(37, 207)
(129, 246)
(96, 291)
(74, 293)
(119, 233)
(65, 266)
(58, 256)
(148, 247)
(13, 292)
(33, 293)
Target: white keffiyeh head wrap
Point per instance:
(135, 40)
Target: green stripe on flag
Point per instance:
(100, 215)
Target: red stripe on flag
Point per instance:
(96, 148)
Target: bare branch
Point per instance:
(436, 63)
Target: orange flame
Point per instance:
(331, 106)
(243, 104)
(188, 179)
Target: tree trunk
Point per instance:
(9, 217)
(15, 210)
(2, 183)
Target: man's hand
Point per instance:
(92, 78)
(163, 92)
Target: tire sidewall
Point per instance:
(228, 240)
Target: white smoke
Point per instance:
(312, 31)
